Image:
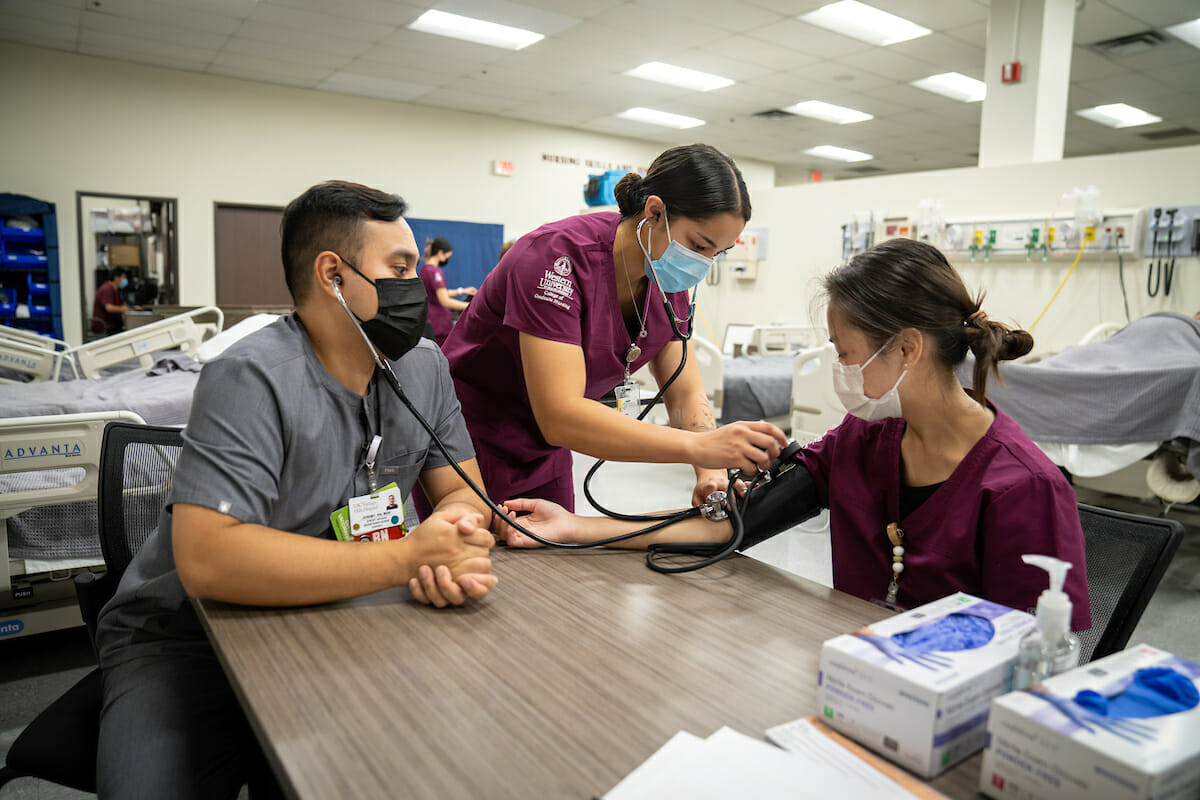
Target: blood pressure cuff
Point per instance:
(789, 499)
(1153, 692)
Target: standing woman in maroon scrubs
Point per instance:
(575, 307)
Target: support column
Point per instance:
(1024, 122)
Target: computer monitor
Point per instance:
(736, 333)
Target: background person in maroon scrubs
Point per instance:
(441, 300)
(571, 305)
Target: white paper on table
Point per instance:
(730, 764)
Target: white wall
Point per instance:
(71, 123)
(805, 221)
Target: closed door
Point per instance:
(249, 267)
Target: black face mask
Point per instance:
(447, 261)
(398, 324)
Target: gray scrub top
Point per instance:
(273, 439)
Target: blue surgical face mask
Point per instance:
(679, 268)
(124, 282)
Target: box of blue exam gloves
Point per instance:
(916, 687)
(1125, 727)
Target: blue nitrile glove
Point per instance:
(899, 653)
(1153, 692)
(1134, 732)
(953, 632)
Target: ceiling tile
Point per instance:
(403, 39)
(517, 15)
(790, 8)
(580, 9)
(1097, 22)
(292, 39)
(945, 52)
(39, 34)
(727, 17)
(116, 42)
(510, 93)
(975, 34)
(936, 14)
(318, 24)
(294, 55)
(151, 31)
(1087, 65)
(262, 76)
(1171, 54)
(1158, 13)
(764, 54)
(839, 75)
(1132, 88)
(808, 39)
(884, 62)
(657, 27)
(384, 88)
(461, 101)
(550, 112)
(381, 12)
(297, 74)
(175, 16)
(1182, 78)
(408, 75)
(153, 59)
(38, 9)
(230, 8)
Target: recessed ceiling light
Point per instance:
(838, 153)
(1188, 31)
(474, 30)
(828, 112)
(1118, 115)
(954, 85)
(679, 76)
(662, 118)
(864, 22)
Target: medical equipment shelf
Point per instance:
(29, 266)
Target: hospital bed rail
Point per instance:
(62, 453)
(181, 332)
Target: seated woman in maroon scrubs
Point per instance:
(966, 489)
(575, 307)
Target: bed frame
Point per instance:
(43, 359)
(45, 601)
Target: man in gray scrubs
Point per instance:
(286, 427)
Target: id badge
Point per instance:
(374, 517)
(629, 399)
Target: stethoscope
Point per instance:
(711, 552)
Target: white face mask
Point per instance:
(848, 384)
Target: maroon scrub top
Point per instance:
(438, 315)
(556, 283)
(1004, 500)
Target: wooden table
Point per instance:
(576, 669)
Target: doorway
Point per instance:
(248, 263)
(135, 232)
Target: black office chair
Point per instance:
(137, 463)
(1127, 555)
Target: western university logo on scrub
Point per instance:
(67, 449)
(562, 265)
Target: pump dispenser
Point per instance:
(1050, 648)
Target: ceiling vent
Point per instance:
(865, 170)
(774, 113)
(1173, 133)
(1130, 45)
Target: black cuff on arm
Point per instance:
(785, 502)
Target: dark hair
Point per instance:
(115, 271)
(329, 216)
(696, 181)
(903, 283)
(440, 245)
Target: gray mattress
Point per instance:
(757, 387)
(1142, 384)
(161, 395)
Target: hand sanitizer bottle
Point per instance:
(1050, 648)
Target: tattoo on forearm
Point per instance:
(701, 418)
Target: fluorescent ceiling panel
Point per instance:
(474, 30)
(828, 112)
(834, 153)
(864, 22)
(679, 76)
(1188, 31)
(1118, 115)
(661, 118)
(954, 85)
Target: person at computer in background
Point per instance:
(108, 306)
(572, 307)
(441, 301)
(276, 441)
(970, 491)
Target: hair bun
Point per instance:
(627, 194)
(1014, 343)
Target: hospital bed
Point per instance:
(49, 467)
(778, 339)
(35, 359)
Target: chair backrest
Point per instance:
(1127, 555)
(137, 465)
